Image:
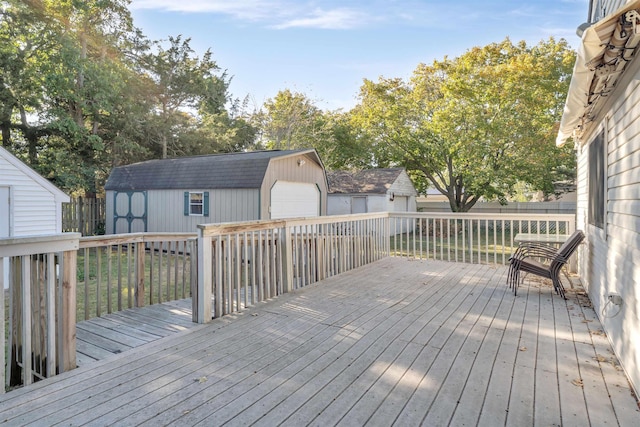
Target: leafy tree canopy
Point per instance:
(475, 125)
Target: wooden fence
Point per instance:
(84, 215)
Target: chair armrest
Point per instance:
(538, 250)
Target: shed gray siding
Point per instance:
(287, 169)
(165, 210)
(238, 186)
(609, 259)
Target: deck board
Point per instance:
(102, 337)
(396, 342)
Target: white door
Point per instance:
(4, 228)
(294, 200)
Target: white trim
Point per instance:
(591, 49)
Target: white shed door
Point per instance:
(294, 200)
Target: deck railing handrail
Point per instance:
(54, 349)
(225, 249)
(239, 264)
(46, 272)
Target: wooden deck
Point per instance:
(102, 337)
(397, 342)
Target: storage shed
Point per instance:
(602, 117)
(175, 195)
(370, 190)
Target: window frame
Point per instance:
(597, 180)
(188, 204)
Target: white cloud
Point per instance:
(277, 14)
(335, 19)
(253, 10)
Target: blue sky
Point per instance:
(325, 48)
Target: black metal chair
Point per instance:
(526, 257)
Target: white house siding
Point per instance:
(602, 8)
(342, 204)
(34, 208)
(288, 169)
(378, 203)
(610, 257)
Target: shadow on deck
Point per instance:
(395, 342)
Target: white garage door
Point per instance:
(294, 200)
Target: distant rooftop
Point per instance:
(372, 181)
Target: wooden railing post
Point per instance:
(287, 258)
(68, 344)
(139, 279)
(201, 301)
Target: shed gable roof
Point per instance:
(217, 171)
(371, 181)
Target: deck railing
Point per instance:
(49, 291)
(467, 237)
(245, 263)
(121, 271)
(42, 316)
(54, 280)
(241, 264)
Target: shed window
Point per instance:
(596, 181)
(196, 203)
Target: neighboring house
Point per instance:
(602, 115)
(29, 204)
(175, 195)
(370, 190)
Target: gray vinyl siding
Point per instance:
(610, 255)
(34, 208)
(165, 209)
(224, 206)
(287, 169)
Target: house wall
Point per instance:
(33, 208)
(165, 210)
(339, 204)
(404, 199)
(602, 8)
(608, 260)
(287, 169)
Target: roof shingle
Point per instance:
(217, 171)
(372, 181)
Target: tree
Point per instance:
(475, 125)
(183, 85)
(290, 120)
